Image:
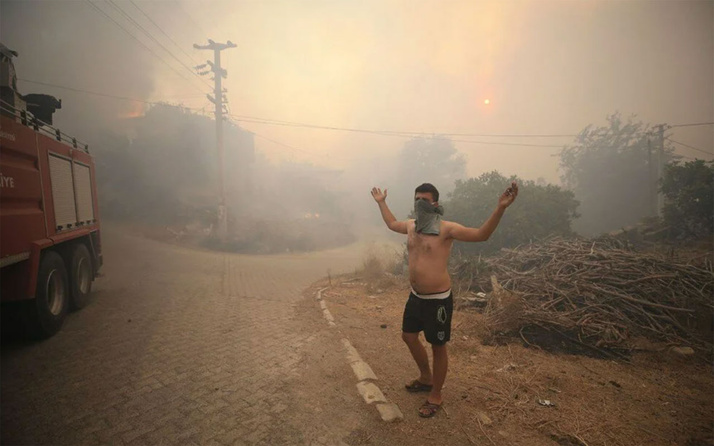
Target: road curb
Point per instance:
(366, 387)
(325, 311)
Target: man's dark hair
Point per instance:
(428, 187)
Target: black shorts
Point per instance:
(433, 316)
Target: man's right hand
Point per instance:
(392, 223)
(378, 195)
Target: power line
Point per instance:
(294, 124)
(497, 143)
(190, 18)
(269, 139)
(208, 18)
(258, 120)
(162, 31)
(122, 98)
(100, 11)
(281, 143)
(185, 96)
(143, 101)
(453, 140)
(150, 36)
(315, 126)
(389, 133)
(688, 146)
(691, 125)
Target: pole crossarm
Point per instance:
(215, 46)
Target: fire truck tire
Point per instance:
(47, 311)
(81, 273)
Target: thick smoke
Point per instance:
(70, 45)
(546, 68)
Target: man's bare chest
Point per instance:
(426, 244)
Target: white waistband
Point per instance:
(443, 295)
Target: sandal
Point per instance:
(417, 386)
(428, 410)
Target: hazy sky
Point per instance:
(547, 67)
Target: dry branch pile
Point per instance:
(599, 293)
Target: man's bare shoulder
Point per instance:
(445, 224)
(447, 227)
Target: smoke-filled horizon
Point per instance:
(326, 87)
(545, 67)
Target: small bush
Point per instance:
(380, 264)
(689, 198)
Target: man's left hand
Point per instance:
(509, 196)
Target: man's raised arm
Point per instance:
(464, 234)
(392, 223)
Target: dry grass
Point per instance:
(504, 311)
(380, 265)
(657, 399)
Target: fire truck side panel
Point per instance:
(56, 167)
(87, 201)
(69, 182)
(21, 217)
(48, 197)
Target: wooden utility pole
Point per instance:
(660, 166)
(652, 180)
(218, 100)
(656, 168)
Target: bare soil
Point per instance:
(513, 394)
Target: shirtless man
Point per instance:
(430, 304)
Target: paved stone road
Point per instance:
(181, 347)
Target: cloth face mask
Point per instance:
(428, 217)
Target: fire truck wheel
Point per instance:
(81, 274)
(47, 311)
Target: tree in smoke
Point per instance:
(164, 170)
(540, 211)
(426, 160)
(689, 198)
(612, 169)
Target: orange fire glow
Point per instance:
(133, 110)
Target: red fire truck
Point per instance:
(50, 248)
